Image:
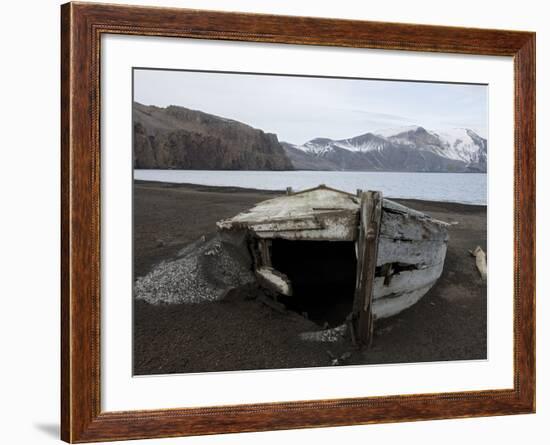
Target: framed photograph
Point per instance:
(274, 222)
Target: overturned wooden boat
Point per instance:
(398, 252)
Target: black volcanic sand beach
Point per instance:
(239, 333)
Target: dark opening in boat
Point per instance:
(322, 274)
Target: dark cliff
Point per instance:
(180, 138)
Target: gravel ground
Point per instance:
(212, 330)
(204, 271)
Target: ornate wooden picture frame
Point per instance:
(82, 25)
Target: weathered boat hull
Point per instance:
(400, 252)
(411, 256)
(390, 306)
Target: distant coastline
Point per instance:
(318, 171)
(446, 187)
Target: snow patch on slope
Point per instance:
(358, 144)
(458, 143)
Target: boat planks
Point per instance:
(386, 307)
(370, 219)
(406, 281)
(411, 255)
(421, 253)
(400, 251)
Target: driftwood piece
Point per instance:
(331, 335)
(369, 230)
(481, 261)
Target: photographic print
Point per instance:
(287, 217)
(288, 221)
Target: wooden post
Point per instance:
(370, 217)
(264, 246)
(481, 261)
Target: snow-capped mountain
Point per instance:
(363, 143)
(410, 148)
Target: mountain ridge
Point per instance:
(176, 137)
(181, 138)
(411, 149)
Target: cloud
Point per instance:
(298, 109)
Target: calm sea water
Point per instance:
(467, 188)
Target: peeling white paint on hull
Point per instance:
(389, 306)
(422, 253)
(407, 281)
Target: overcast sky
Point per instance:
(299, 109)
